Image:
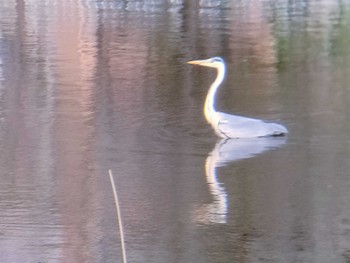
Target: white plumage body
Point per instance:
(232, 126)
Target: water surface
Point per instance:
(92, 85)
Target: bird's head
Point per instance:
(214, 62)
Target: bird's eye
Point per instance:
(217, 59)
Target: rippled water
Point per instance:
(90, 85)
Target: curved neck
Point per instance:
(209, 106)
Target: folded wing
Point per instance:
(232, 126)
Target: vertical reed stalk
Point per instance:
(121, 231)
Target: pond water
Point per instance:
(92, 85)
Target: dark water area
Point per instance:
(92, 85)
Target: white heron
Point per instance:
(227, 125)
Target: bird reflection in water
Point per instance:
(225, 152)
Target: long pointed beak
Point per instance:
(203, 62)
(194, 62)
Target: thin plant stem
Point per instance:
(121, 231)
